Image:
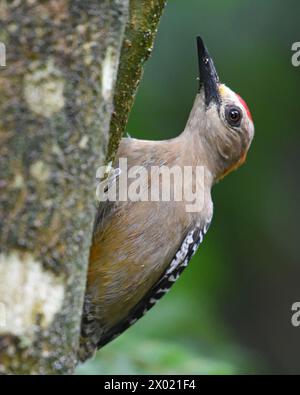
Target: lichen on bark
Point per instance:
(55, 109)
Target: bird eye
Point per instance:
(233, 116)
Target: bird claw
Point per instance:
(107, 180)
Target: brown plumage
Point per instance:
(140, 248)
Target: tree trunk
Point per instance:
(55, 109)
(56, 102)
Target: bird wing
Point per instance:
(180, 261)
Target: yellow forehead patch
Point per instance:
(222, 89)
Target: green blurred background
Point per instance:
(230, 312)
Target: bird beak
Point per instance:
(208, 76)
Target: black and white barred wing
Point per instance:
(188, 248)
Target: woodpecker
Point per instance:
(139, 249)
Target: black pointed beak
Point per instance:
(208, 76)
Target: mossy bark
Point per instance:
(56, 102)
(137, 47)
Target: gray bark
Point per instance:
(55, 107)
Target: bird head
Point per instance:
(221, 118)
